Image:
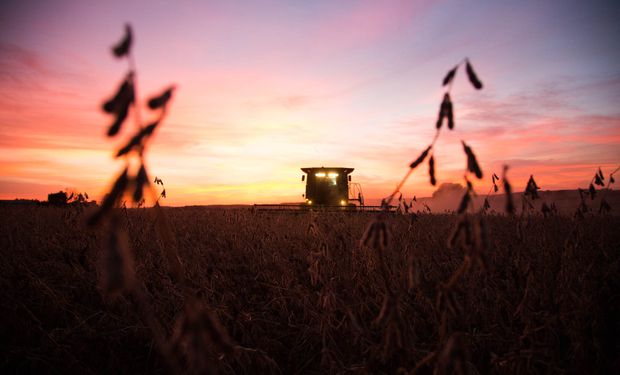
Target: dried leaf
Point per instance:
(119, 105)
(510, 207)
(440, 117)
(445, 111)
(464, 203)
(122, 48)
(472, 163)
(448, 78)
(118, 121)
(420, 158)
(376, 235)
(486, 204)
(598, 180)
(531, 188)
(125, 93)
(141, 180)
(592, 191)
(137, 139)
(431, 170)
(161, 100)
(450, 116)
(470, 186)
(111, 198)
(473, 78)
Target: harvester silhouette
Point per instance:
(327, 188)
(331, 186)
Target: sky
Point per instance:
(264, 88)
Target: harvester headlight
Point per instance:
(309, 201)
(320, 174)
(332, 175)
(343, 202)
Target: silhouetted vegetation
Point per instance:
(198, 331)
(62, 198)
(193, 290)
(301, 292)
(58, 199)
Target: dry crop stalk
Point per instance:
(199, 325)
(598, 179)
(494, 188)
(320, 265)
(470, 231)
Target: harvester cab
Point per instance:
(331, 186)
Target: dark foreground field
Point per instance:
(296, 298)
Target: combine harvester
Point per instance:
(327, 189)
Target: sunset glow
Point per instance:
(265, 88)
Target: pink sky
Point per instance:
(267, 87)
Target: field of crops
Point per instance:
(297, 293)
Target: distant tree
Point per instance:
(58, 199)
(63, 198)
